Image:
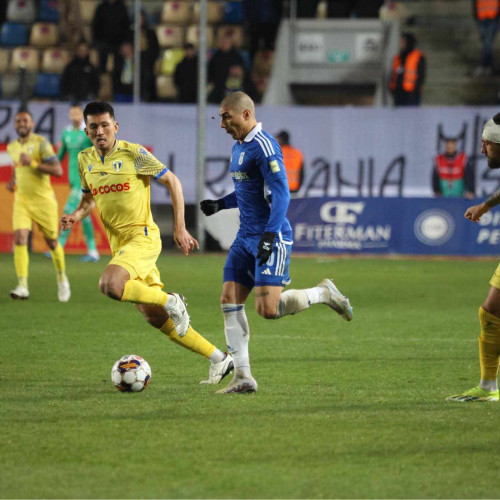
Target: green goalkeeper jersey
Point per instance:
(72, 142)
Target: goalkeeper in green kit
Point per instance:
(73, 140)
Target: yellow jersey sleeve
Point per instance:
(147, 164)
(81, 166)
(46, 151)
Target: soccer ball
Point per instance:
(131, 373)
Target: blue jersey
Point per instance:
(260, 186)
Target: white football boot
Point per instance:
(177, 311)
(20, 293)
(240, 385)
(63, 291)
(218, 371)
(334, 299)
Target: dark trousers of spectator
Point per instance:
(307, 8)
(261, 37)
(104, 50)
(487, 32)
(402, 98)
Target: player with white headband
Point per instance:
(489, 312)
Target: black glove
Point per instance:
(265, 247)
(210, 207)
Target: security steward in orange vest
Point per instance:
(487, 14)
(293, 160)
(408, 73)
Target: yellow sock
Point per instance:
(59, 262)
(489, 345)
(21, 261)
(192, 340)
(139, 293)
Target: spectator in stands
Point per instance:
(262, 19)
(237, 79)
(408, 73)
(70, 25)
(123, 74)
(186, 76)
(486, 13)
(110, 28)
(80, 79)
(293, 160)
(150, 50)
(452, 173)
(224, 57)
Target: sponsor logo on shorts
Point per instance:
(113, 188)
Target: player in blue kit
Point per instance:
(260, 255)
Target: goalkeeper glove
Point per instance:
(265, 247)
(210, 207)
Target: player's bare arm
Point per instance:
(475, 212)
(11, 184)
(84, 208)
(51, 167)
(184, 241)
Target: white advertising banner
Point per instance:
(348, 151)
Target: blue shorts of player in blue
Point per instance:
(242, 267)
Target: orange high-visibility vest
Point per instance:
(293, 160)
(410, 70)
(487, 9)
(451, 169)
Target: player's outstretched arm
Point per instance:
(184, 241)
(474, 213)
(84, 208)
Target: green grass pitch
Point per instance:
(344, 410)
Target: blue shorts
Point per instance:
(242, 267)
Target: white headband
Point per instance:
(491, 131)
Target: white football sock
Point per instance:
(237, 334)
(294, 301)
(489, 385)
(217, 356)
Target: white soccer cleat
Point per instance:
(63, 291)
(336, 300)
(20, 293)
(218, 371)
(177, 311)
(240, 385)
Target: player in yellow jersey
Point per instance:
(115, 176)
(34, 201)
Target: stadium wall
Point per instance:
(360, 153)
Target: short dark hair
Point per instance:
(24, 110)
(98, 108)
(496, 119)
(284, 136)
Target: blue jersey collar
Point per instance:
(253, 132)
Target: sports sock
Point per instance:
(489, 349)
(237, 334)
(21, 261)
(63, 237)
(88, 232)
(138, 293)
(294, 301)
(59, 262)
(192, 340)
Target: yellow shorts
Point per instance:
(495, 279)
(43, 211)
(138, 256)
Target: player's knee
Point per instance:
(111, 287)
(266, 310)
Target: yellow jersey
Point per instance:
(31, 182)
(120, 185)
